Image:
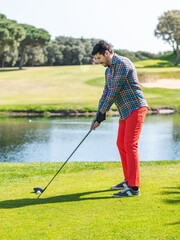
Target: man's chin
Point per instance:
(103, 64)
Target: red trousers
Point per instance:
(127, 143)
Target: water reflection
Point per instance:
(176, 127)
(17, 136)
(53, 139)
(160, 138)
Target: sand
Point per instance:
(170, 83)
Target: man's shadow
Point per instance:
(17, 203)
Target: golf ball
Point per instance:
(38, 192)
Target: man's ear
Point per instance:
(107, 53)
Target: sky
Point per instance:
(126, 24)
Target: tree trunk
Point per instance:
(21, 60)
(3, 61)
(178, 55)
(174, 49)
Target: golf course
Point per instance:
(89, 120)
(78, 204)
(78, 88)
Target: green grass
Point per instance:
(165, 61)
(79, 205)
(161, 97)
(52, 89)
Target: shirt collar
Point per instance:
(115, 57)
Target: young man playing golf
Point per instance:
(122, 88)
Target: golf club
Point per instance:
(40, 190)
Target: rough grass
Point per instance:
(79, 205)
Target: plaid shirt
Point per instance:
(122, 88)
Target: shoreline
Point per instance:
(79, 113)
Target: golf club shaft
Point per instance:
(66, 161)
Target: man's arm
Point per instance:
(94, 123)
(103, 97)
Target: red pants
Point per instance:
(127, 143)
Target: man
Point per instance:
(122, 88)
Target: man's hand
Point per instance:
(94, 124)
(101, 116)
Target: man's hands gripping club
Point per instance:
(101, 116)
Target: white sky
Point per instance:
(126, 24)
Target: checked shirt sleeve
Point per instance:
(103, 97)
(120, 73)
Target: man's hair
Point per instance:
(101, 47)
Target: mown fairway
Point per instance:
(79, 205)
(50, 88)
(74, 87)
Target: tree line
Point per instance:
(23, 44)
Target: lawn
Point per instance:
(49, 89)
(79, 205)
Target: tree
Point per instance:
(168, 29)
(87, 59)
(34, 56)
(53, 54)
(76, 50)
(9, 57)
(11, 33)
(72, 49)
(34, 38)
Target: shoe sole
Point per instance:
(116, 196)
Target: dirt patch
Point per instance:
(145, 77)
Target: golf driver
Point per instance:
(40, 190)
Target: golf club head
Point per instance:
(36, 189)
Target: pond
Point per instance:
(54, 139)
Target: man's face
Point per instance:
(103, 59)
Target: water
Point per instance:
(53, 139)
